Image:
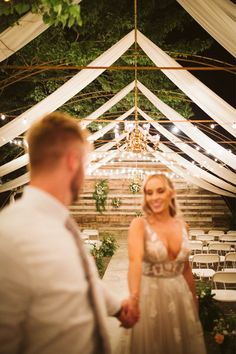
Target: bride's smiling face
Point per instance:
(157, 195)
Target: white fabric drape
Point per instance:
(102, 162)
(14, 165)
(109, 126)
(111, 144)
(193, 153)
(107, 105)
(21, 33)
(192, 169)
(217, 17)
(24, 159)
(66, 91)
(196, 171)
(189, 129)
(207, 100)
(191, 179)
(17, 182)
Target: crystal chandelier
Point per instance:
(136, 141)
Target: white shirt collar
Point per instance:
(46, 202)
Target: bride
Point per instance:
(162, 291)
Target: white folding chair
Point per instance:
(194, 232)
(205, 238)
(230, 261)
(227, 238)
(206, 265)
(227, 282)
(231, 232)
(221, 248)
(195, 247)
(216, 232)
(92, 233)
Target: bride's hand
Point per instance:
(133, 307)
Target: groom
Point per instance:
(51, 299)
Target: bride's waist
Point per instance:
(163, 269)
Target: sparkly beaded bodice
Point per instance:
(156, 259)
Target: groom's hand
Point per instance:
(126, 315)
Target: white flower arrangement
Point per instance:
(134, 187)
(116, 202)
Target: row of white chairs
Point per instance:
(211, 232)
(212, 261)
(207, 238)
(199, 246)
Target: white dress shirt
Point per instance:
(44, 303)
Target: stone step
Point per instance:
(127, 206)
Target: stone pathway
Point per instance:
(116, 279)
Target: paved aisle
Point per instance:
(116, 279)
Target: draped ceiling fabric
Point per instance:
(194, 180)
(108, 127)
(66, 91)
(184, 80)
(217, 17)
(193, 153)
(192, 169)
(19, 181)
(189, 129)
(14, 165)
(195, 170)
(107, 105)
(21, 33)
(206, 99)
(25, 30)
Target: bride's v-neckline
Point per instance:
(164, 245)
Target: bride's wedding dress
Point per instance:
(169, 323)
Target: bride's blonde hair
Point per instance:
(169, 185)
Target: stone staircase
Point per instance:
(199, 208)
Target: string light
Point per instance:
(212, 126)
(3, 117)
(234, 125)
(175, 130)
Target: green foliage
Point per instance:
(134, 186)
(109, 245)
(116, 202)
(54, 12)
(138, 214)
(100, 254)
(224, 332)
(99, 259)
(209, 309)
(100, 195)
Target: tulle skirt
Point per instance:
(169, 323)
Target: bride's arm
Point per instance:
(135, 251)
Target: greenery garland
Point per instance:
(116, 202)
(54, 12)
(100, 195)
(134, 186)
(138, 213)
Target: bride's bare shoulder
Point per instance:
(138, 222)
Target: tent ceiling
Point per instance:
(221, 180)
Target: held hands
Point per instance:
(129, 313)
